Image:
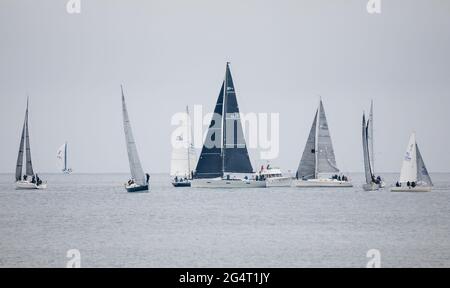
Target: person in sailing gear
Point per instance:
(24, 177)
(38, 180)
(413, 184)
(408, 184)
(33, 179)
(147, 176)
(397, 184)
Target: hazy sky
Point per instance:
(172, 53)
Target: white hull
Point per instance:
(25, 185)
(410, 189)
(372, 187)
(221, 183)
(279, 182)
(321, 183)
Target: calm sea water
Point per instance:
(183, 227)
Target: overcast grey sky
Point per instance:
(172, 53)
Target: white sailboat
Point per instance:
(184, 157)
(29, 180)
(414, 176)
(372, 182)
(317, 167)
(61, 156)
(139, 181)
(224, 161)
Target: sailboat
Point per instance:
(372, 182)
(183, 155)
(139, 180)
(61, 155)
(29, 180)
(224, 161)
(414, 176)
(317, 167)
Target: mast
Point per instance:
(188, 147)
(316, 172)
(65, 156)
(29, 165)
(224, 111)
(370, 136)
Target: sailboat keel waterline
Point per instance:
(318, 183)
(28, 185)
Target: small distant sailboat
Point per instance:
(372, 182)
(224, 161)
(317, 167)
(414, 176)
(29, 180)
(183, 156)
(61, 155)
(139, 180)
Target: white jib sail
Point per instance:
(409, 166)
(61, 157)
(137, 173)
(184, 158)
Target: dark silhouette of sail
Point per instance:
(307, 166)
(19, 165)
(210, 162)
(236, 159)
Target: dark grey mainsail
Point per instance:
(235, 154)
(210, 162)
(135, 164)
(224, 149)
(307, 167)
(19, 165)
(24, 140)
(326, 161)
(366, 150)
(423, 177)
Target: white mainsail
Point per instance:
(61, 156)
(409, 166)
(184, 158)
(137, 173)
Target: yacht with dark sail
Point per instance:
(183, 155)
(373, 182)
(224, 161)
(414, 176)
(317, 167)
(139, 181)
(27, 180)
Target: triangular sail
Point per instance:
(28, 164)
(19, 164)
(365, 139)
(210, 161)
(183, 155)
(423, 177)
(409, 166)
(235, 153)
(370, 140)
(61, 155)
(307, 166)
(326, 161)
(135, 165)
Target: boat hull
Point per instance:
(181, 184)
(25, 185)
(221, 183)
(317, 183)
(279, 182)
(415, 189)
(136, 188)
(372, 187)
